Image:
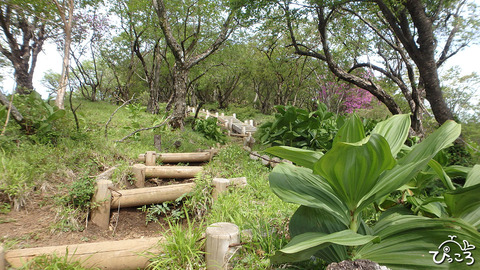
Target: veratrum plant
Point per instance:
(300, 128)
(334, 189)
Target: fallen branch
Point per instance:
(14, 111)
(143, 129)
(111, 116)
(8, 115)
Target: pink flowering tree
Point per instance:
(342, 97)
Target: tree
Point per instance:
(24, 30)
(460, 91)
(65, 10)
(403, 36)
(186, 47)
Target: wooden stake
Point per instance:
(150, 157)
(139, 173)
(124, 254)
(221, 185)
(2, 258)
(102, 198)
(150, 195)
(219, 238)
(157, 142)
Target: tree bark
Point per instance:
(23, 56)
(180, 77)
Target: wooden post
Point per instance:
(157, 142)
(219, 238)
(149, 195)
(2, 258)
(251, 123)
(102, 199)
(216, 114)
(221, 185)
(139, 173)
(234, 116)
(238, 182)
(244, 130)
(150, 157)
(123, 254)
(223, 114)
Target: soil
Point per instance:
(32, 226)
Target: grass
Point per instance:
(64, 165)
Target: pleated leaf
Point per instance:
(303, 246)
(301, 157)
(464, 203)
(473, 177)
(351, 131)
(407, 240)
(352, 169)
(299, 185)
(395, 131)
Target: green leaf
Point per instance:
(351, 131)
(56, 115)
(303, 246)
(299, 185)
(473, 177)
(438, 140)
(407, 240)
(352, 169)
(441, 174)
(395, 131)
(464, 203)
(301, 157)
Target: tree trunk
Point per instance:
(180, 77)
(23, 79)
(67, 28)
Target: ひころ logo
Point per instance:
(452, 251)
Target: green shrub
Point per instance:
(299, 128)
(210, 129)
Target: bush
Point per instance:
(299, 128)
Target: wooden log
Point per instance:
(180, 157)
(125, 254)
(150, 158)
(101, 199)
(172, 171)
(2, 258)
(220, 186)
(139, 173)
(219, 238)
(150, 195)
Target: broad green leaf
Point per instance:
(395, 131)
(407, 240)
(441, 174)
(414, 161)
(301, 157)
(441, 138)
(457, 171)
(473, 177)
(56, 115)
(303, 246)
(307, 219)
(464, 203)
(352, 131)
(299, 185)
(352, 169)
